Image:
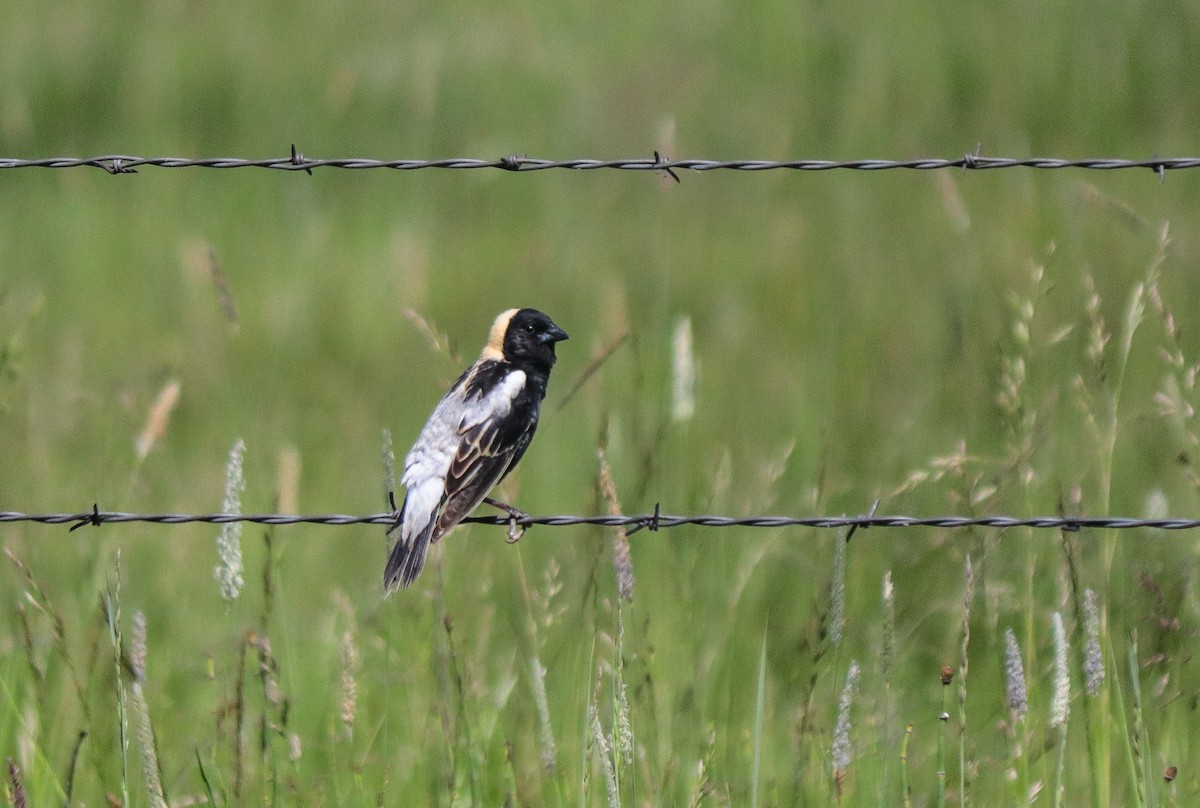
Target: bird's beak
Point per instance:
(554, 334)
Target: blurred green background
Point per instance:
(850, 329)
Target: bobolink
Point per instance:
(475, 437)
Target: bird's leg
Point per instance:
(515, 529)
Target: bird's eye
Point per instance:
(529, 327)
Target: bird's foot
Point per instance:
(515, 529)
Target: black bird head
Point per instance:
(526, 336)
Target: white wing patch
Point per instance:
(497, 403)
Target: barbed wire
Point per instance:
(296, 161)
(651, 521)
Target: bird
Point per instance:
(476, 435)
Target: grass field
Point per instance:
(1007, 342)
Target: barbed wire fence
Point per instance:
(297, 161)
(650, 521)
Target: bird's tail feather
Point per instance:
(407, 558)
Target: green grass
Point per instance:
(945, 342)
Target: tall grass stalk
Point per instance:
(1093, 655)
(1017, 699)
(837, 589)
(1060, 705)
(387, 457)
(887, 657)
(759, 705)
(388, 616)
(1144, 777)
(70, 787)
(1095, 696)
(1019, 415)
(209, 793)
(1090, 718)
(947, 676)
(112, 611)
(1100, 402)
(1108, 430)
(622, 728)
(842, 751)
(548, 753)
(141, 714)
(464, 718)
(238, 724)
(963, 668)
(605, 751)
(622, 560)
(585, 740)
(905, 791)
(275, 716)
(1128, 727)
(229, 541)
(548, 748)
(349, 681)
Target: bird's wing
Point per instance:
(484, 455)
(490, 435)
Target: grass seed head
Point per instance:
(229, 541)
(842, 752)
(1014, 677)
(1060, 704)
(1093, 657)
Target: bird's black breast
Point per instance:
(513, 431)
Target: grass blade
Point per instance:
(759, 704)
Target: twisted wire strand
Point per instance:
(651, 521)
(129, 164)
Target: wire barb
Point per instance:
(88, 519)
(116, 166)
(651, 522)
(1160, 170)
(661, 161)
(299, 161)
(865, 524)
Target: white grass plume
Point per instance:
(229, 572)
